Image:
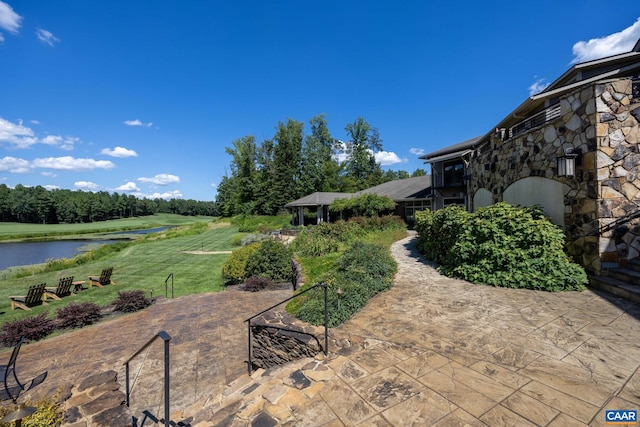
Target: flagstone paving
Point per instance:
(430, 351)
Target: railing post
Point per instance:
(126, 371)
(326, 319)
(166, 384)
(249, 365)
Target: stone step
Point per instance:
(634, 264)
(624, 274)
(626, 290)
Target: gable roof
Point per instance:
(401, 190)
(455, 150)
(318, 199)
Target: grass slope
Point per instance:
(139, 266)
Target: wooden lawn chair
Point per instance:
(62, 290)
(12, 389)
(34, 297)
(102, 280)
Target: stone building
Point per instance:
(572, 149)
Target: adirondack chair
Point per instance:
(34, 297)
(12, 389)
(62, 290)
(103, 279)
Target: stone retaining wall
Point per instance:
(277, 339)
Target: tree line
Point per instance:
(265, 176)
(39, 205)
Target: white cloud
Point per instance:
(9, 20)
(1, 37)
(51, 187)
(14, 165)
(175, 194)
(129, 186)
(86, 185)
(16, 134)
(36, 122)
(137, 122)
(214, 185)
(72, 164)
(386, 158)
(51, 140)
(538, 86)
(612, 44)
(160, 179)
(48, 174)
(119, 152)
(46, 37)
(66, 143)
(416, 151)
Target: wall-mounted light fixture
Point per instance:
(567, 163)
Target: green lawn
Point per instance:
(13, 230)
(139, 266)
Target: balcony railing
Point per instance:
(534, 121)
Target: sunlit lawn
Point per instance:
(142, 266)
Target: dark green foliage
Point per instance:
(234, 269)
(255, 284)
(271, 260)
(366, 205)
(131, 301)
(78, 315)
(500, 245)
(31, 328)
(39, 205)
(438, 231)
(362, 271)
(310, 244)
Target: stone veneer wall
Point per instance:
(601, 122)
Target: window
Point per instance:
(453, 174)
(410, 209)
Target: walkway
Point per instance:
(430, 351)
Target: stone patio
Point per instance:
(430, 351)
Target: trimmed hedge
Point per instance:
(499, 245)
(272, 260)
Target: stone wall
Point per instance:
(600, 122)
(618, 169)
(277, 339)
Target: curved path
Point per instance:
(430, 351)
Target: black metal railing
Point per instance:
(166, 338)
(629, 216)
(534, 121)
(326, 321)
(166, 286)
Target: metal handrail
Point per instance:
(166, 338)
(166, 290)
(326, 319)
(631, 215)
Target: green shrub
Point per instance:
(31, 328)
(131, 301)
(271, 260)
(49, 412)
(77, 315)
(503, 245)
(438, 231)
(361, 271)
(369, 204)
(234, 269)
(310, 244)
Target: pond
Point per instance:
(13, 254)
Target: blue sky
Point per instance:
(142, 97)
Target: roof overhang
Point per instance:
(450, 156)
